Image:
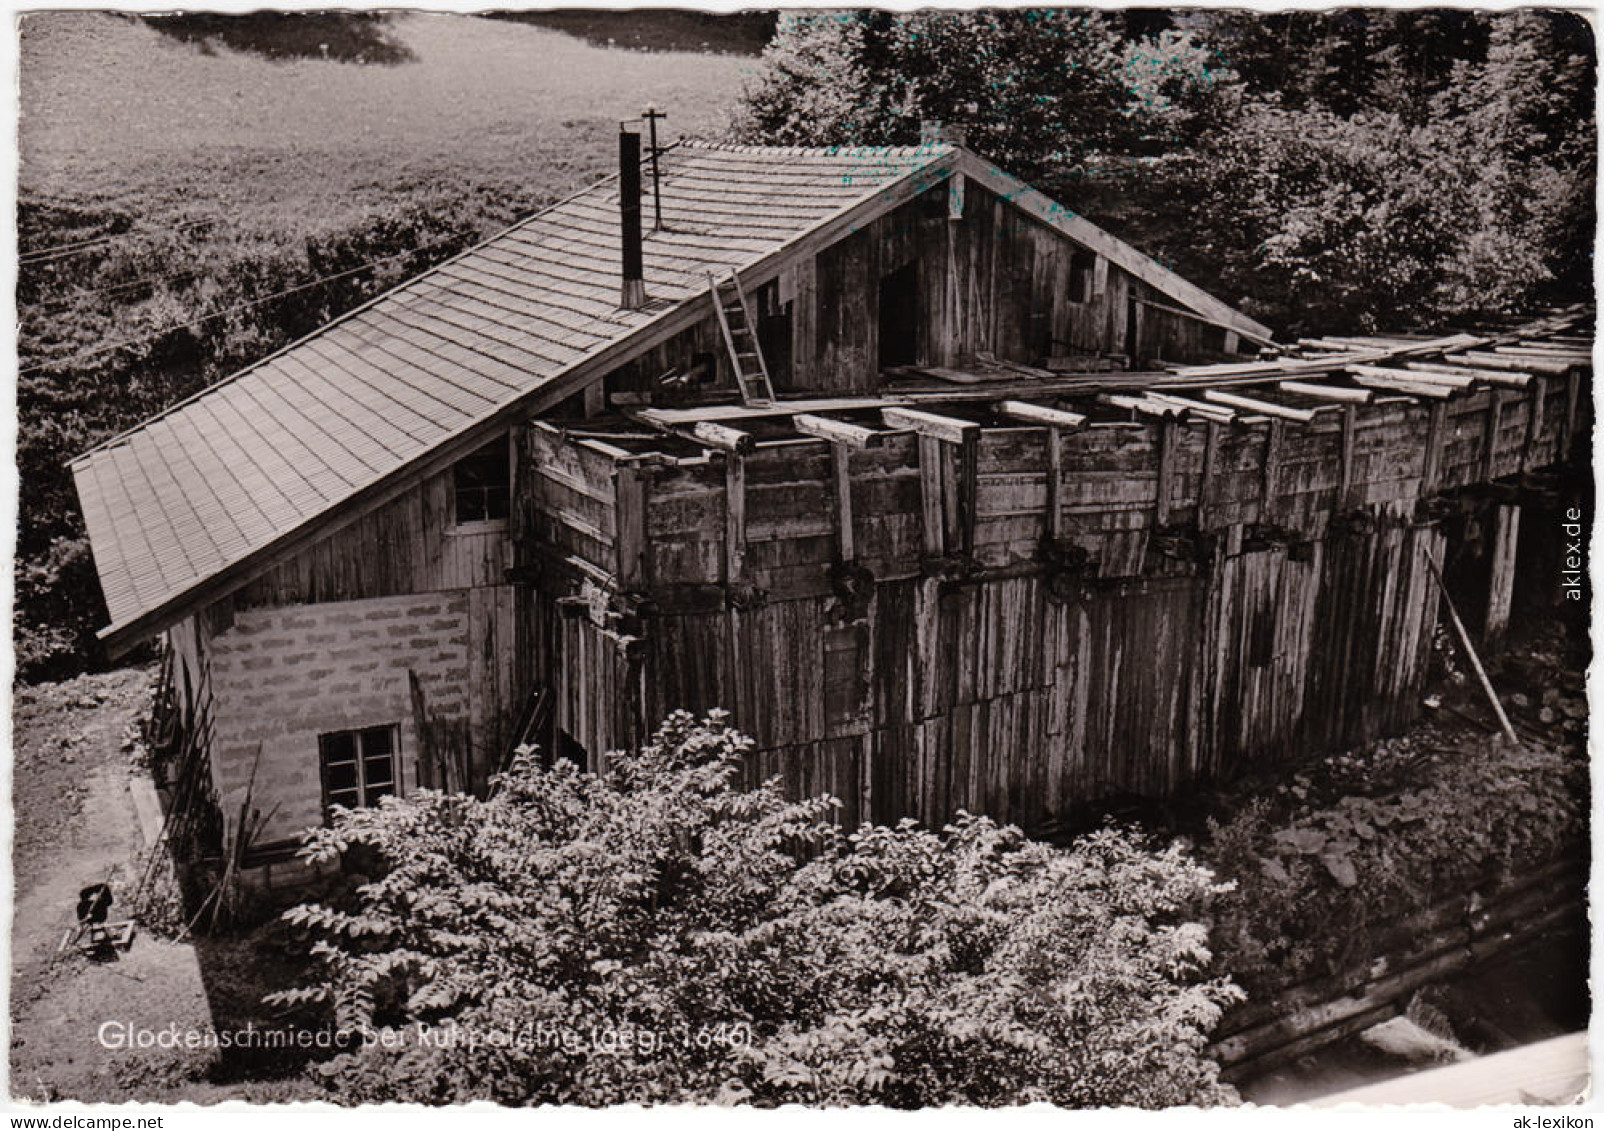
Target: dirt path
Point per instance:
(76, 825)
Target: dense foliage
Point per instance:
(652, 934)
(1342, 171)
(1324, 867)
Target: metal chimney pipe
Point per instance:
(633, 295)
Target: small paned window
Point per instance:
(359, 766)
(483, 484)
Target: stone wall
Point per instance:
(281, 677)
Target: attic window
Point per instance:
(482, 485)
(1082, 265)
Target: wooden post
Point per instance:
(1534, 425)
(1495, 416)
(1470, 651)
(1568, 431)
(1501, 588)
(1435, 431)
(1208, 484)
(734, 519)
(630, 499)
(839, 457)
(1271, 471)
(968, 489)
(1055, 484)
(1350, 419)
(1166, 471)
(935, 543)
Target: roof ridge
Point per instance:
(935, 149)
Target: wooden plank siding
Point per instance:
(993, 686)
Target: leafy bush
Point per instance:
(1348, 852)
(653, 934)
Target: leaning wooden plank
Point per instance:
(1509, 378)
(1263, 408)
(1582, 355)
(837, 431)
(1470, 651)
(945, 428)
(1040, 414)
(1335, 393)
(1418, 376)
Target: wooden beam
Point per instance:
(840, 464)
(734, 413)
(1416, 375)
(955, 197)
(1039, 414)
(1143, 405)
(1262, 408)
(947, 429)
(734, 519)
(721, 437)
(837, 431)
(1489, 376)
(1335, 393)
(1489, 360)
(1217, 413)
(1408, 388)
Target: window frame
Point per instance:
(479, 525)
(359, 737)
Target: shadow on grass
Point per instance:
(345, 37)
(658, 29)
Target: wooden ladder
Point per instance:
(740, 336)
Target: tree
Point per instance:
(654, 934)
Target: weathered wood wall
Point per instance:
(995, 281)
(1217, 596)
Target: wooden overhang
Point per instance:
(212, 493)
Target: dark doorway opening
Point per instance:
(899, 317)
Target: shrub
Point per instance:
(1366, 841)
(652, 934)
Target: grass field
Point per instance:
(116, 113)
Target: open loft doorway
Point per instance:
(899, 317)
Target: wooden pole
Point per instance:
(1470, 650)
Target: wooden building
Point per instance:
(952, 499)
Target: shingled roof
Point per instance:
(199, 494)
